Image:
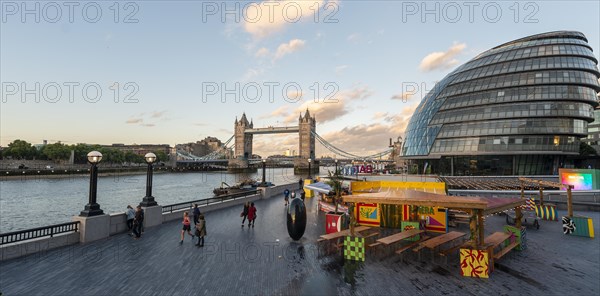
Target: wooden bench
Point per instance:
(439, 240)
(373, 245)
(496, 239)
(388, 240)
(409, 246)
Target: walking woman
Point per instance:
(186, 226)
(201, 230)
(251, 215)
(245, 213)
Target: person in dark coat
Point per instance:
(245, 213)
(286, 196)
(251, 215)
(196, 213)
(200, 230)
(138, 221)
(300, 184)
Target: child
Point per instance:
(251, 215)
(186, 226)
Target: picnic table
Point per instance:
(439, 240)
(399, 236)
(497, 238)
(342, 233)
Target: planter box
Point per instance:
(354, 248)
(578, 225)
(519, 236)
(333, 222)
(474, 263)
(546, 212)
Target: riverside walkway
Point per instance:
(264, 261)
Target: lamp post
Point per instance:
(264, 164)
(148, 200)
(309, 176)
(336, 167)
(93, 208)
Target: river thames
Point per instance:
(37, 201)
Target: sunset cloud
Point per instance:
(442, 60)
(288, 48)
(268, 17)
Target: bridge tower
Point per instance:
(306, 126)
(243, 141)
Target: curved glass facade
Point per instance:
(532, 96)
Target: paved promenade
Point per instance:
(264, 261)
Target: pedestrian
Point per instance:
(137, 222)
(201, 231)
(186, 227)
(302, 194)
(286, 194)
(300, 184)
(245, 213)
(196, 213)
(251, 215)
(130, 216)
(293, 195)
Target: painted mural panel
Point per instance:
(436, 218)
(367, 214)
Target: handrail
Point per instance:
(27, 234)
(189, 204)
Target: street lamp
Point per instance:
(93, 208)
(264, 163)
(336, 167)
(148, 200)
(309, 176)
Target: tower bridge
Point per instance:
(238, 156)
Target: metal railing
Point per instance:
(207, 201)
(27, 234)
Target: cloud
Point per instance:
(403, 96)
(354, 38)
(442, 60)
(290, 47)
(148, 124)
(268, 17)
(134, 120)
(262, 52)
(331, 108)
(158, 114)
(340, 69)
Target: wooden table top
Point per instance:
(346, 232)
(399, 236)
(444, 238)
(497, 238)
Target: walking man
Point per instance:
(137, 222)
(201, 231)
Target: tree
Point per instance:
(57, 151)
(81, 151)
(161, 156)
(586, 150)
(335, 181)
(20, 149)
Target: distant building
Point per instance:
(593, 138)
(202, 147)
(140, 149)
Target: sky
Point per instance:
(172, 72)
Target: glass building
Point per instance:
(517, 109)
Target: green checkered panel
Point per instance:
(354, 248)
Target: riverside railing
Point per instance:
(207, 201)
(27, 234)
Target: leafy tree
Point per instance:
(57, 151)
(586, 150)
(20, 149)
(161, 156)
(335, 181)
(81, 151)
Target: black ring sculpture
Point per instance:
(296, 218)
